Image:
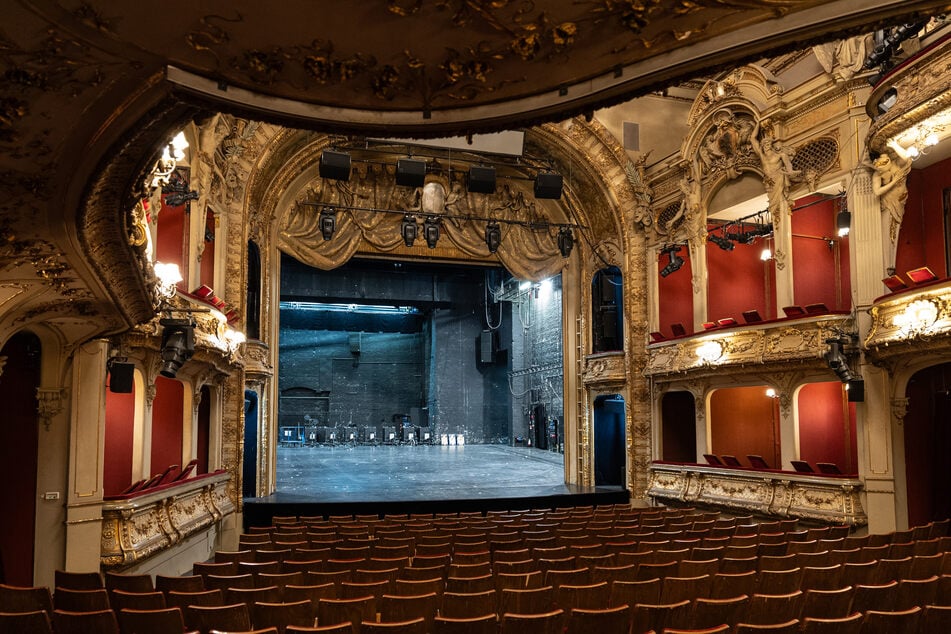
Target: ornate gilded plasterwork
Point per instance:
(604, 370)
(801, 340)
(911, 323)
(137, 528)
(780, 494)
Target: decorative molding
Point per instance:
(139, 527)
(50, 403)
(779, 494)
(604, 370)
(912, 323)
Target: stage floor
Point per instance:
(420, 472)
(422, 478)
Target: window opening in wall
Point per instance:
(607, 314)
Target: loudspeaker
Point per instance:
(487, 347)
(334, 165)
(856, 390)
(548, 185)
(410, 172)
(121, 378)
(481, 179)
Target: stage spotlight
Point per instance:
(431, 231)
(843, 222)
(409, 229)
(837, 361)
(410, 172)
(334, 165)
(566, 241)
(178, 344)
(675, 261)
(548, 185)
(720, 241)
(328, 222)
(481, 179)
(493, 236)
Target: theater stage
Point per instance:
(344, 480)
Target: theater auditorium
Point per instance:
(485, 316)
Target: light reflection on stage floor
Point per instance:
(422, 472)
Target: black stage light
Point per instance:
(431, 232)
(548, 185)
(566, 241)
(720, 241)
(675, 261)
(843, 222)
(328, 222)
(409, 229)
(178, 344)
(493, 236)
(334, 165)
(410, 172)
(481, 179)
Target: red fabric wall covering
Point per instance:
(921, 239)
(737, 282)
(19, 436)
(171, 242)
(928, 445)
(814, 263)
(675, 295)
(826, 428)
(117, 456)
(743, 420)
(167, 419)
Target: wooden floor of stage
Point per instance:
(344, 479)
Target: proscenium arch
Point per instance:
(596, 189)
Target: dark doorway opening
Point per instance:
(609, 460)
(249, 472)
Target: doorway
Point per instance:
(609, 462)
(249, 482)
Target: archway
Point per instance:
(249, 481)
(928, 444)
(19, 440)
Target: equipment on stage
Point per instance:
(389, 435)
(369, 435)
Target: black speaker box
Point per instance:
(856, 390)
(487, 347)
(334, 165)
(121, 378)
(482, 179)
(410, 172)
(548, 185)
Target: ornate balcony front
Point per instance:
(829, 499)
(912, 322)
(139, 526)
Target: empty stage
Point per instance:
(343, 480)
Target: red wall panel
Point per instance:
(738, 281)
(921, 238)
(171, 242)
(119, 444)
(815, 275)
(826, 428)
(675, 295)
(167, 409)
(203, 431)
(743, 420)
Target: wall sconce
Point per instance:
(328, 222)
(566, 241)
(766, 254)
(843, 222)
(232, 339)
(431, 231)
(771, 393)
(710, 351)
(675, 261)
(334, 165)
(548, 185)
(168, 276)
(409, 230)
(917, 318)
(410, 172)
(493, 236)
(481, 179)
(178, 344)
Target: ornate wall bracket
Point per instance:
(139, 527)
(50, 404)
(780, 494)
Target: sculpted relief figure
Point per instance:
(642, 212)
(778, 171)
(727, 144)
(890, 170)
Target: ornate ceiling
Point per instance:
(90, 88)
